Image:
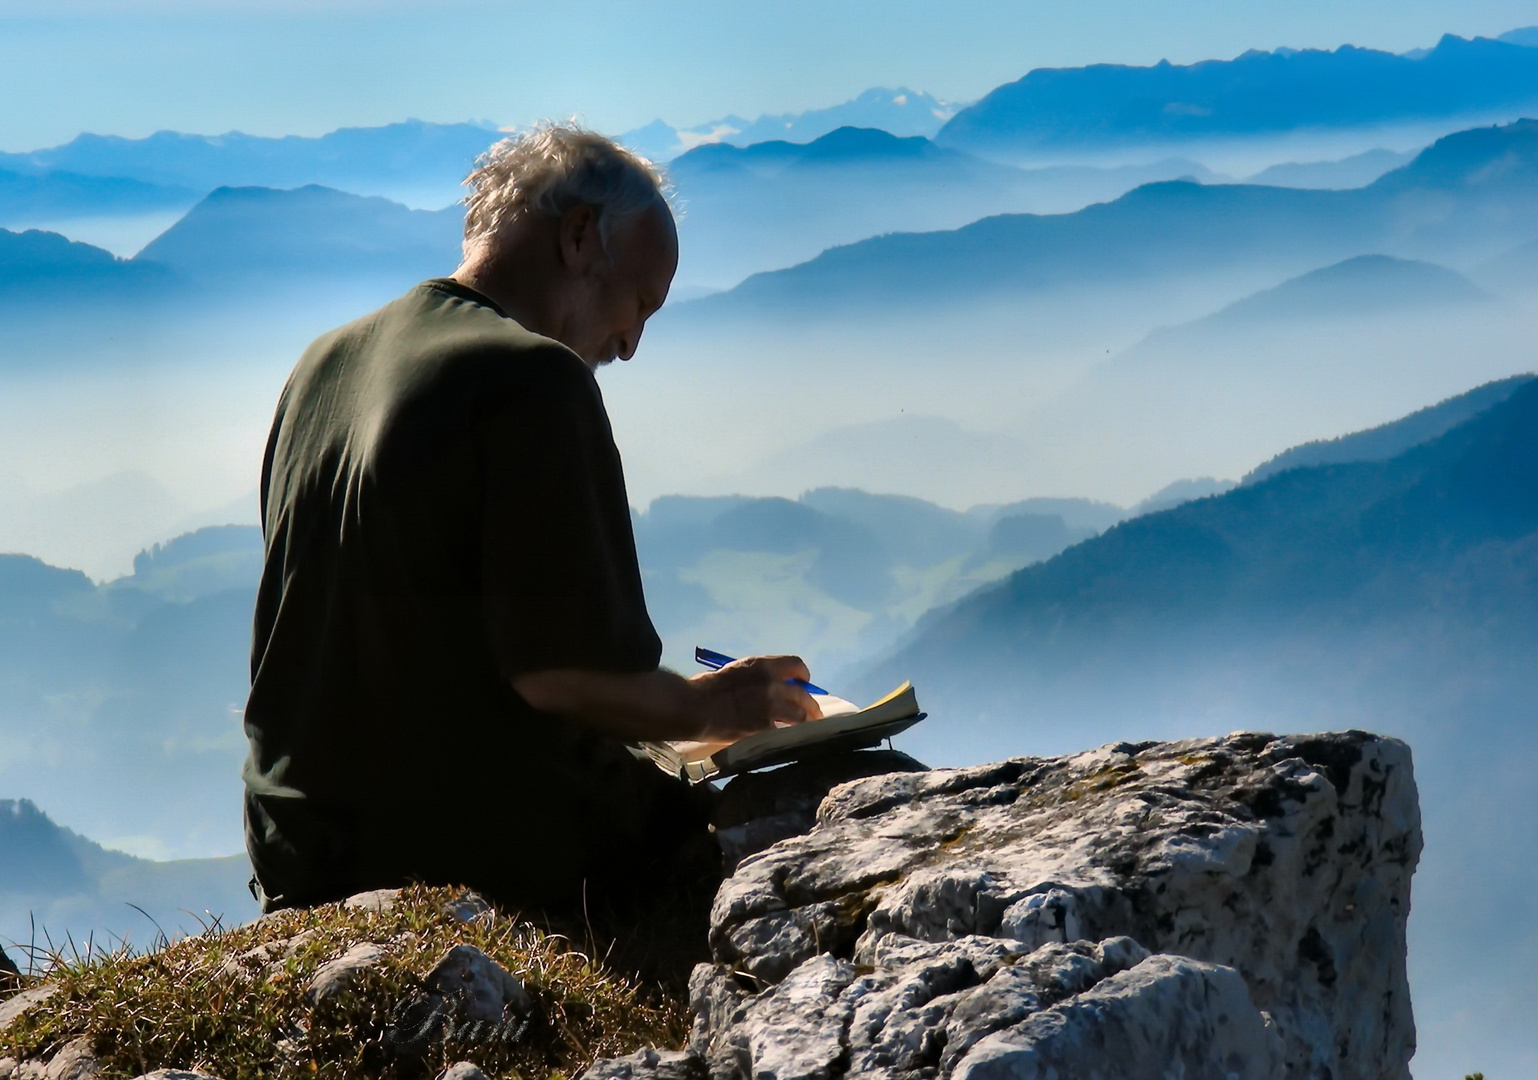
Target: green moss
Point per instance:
(220, 1003)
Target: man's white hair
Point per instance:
(551, 168)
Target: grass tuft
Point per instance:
(231, 1002)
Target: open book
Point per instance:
(844, 726)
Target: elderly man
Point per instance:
(452, 648)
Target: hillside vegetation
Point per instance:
(237, 1003)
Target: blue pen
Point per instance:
(716, 661)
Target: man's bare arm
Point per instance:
(716, 706)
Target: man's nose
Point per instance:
(630, 340)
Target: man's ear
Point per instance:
(581, 245)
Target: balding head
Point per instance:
(573, 236)
(549, 169)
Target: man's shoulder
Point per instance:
(459, 328)
(441, 334)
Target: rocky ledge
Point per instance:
(1224, 908)
(1215, 909)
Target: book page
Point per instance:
(696, 750)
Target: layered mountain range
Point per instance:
(1386, 581)
(59, 890)
(1468, 197)
(1078, 110)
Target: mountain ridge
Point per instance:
(1050, 109)
(1176, 227)
(56, 885)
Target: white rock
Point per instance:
(176, 1074)
(648, 1065)
(1287, 860)
(7, 1067)
(1167, 1017)
(269, 956)
(374, 900)
(12, 1007)
(462, 1070)
(341, 974)
(76, 1061)
(478, 988)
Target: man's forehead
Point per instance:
(651, 239)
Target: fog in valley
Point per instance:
(1150, 436)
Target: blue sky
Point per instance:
(289, 67)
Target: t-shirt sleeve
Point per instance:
(561, 583)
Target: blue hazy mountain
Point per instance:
(57, 886)
(835, 574)
(396, 160)
(1353, 540)
(49, 196)
(1359, 340)
(1467, 194)
(1105, 105)
(1180, 492)
(44, 268)
(119, 703)
(779, 203)
(1361, 285)
(1357, 170)
(1394, 438)
(901, 112)
(1396, 595)
(1512, 272)
(276, 236)
(251, 235)
(1527, 35)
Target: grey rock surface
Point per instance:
(268, 958)
(462, 1070)
(75, 1061)
(12, 1007)
(481, 989)
(466, 999)
(763, 808)
(649, 1065)
(468, 906)
(1211, 907)
(1166, 1010)
(336, 976)
(373, 900)
(176, 1074)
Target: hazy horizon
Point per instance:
(911, 383)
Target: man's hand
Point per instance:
(718, 706)
(752, 695)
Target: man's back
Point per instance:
(444, 509)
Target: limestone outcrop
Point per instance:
(1213, 909)
(1225, 908)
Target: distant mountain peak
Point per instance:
(900, 111)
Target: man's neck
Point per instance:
(519, 304)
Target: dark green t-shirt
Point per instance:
(443, 507)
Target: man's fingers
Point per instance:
(785, 667)
(789, 703)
